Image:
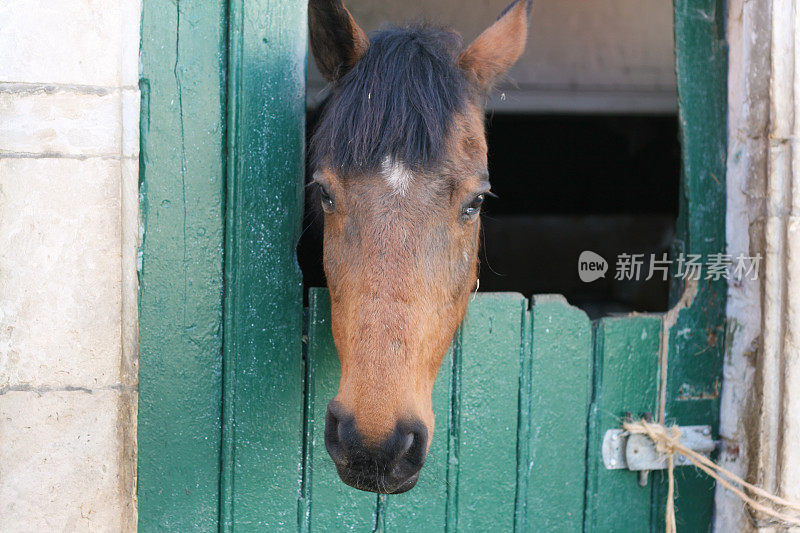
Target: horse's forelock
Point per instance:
(398, 102)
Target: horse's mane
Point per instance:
(397, 102)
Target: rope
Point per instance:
(783, 512)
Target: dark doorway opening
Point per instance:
(566, 184)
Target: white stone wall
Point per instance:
(748, 116)
(760, 417)
(69, 138)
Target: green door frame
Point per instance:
(222, 138)
(182, 169)
(221, 368)
(263, 369)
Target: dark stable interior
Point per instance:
(565, 184)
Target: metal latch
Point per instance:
(638, 453)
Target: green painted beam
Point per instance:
(331, 504)
(487, 396)
(561, 391)
(524, 424)
(626, 380)
(182, 171)
(695, 362)
(263, 365)
(694, 374)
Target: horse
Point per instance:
(398, 159)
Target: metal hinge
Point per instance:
(637, 452)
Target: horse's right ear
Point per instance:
(498, 47)
(336, 40)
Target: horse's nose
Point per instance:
(390, 467)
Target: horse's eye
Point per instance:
(474, 207)
(325, 198)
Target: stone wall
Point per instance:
(760, 415)
(69, 123)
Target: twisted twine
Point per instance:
(783, 512)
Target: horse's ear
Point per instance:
(496, 49)
(336, 40)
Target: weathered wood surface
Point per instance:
(263, 365)
(182, 173)
(230, 433)
(694, 376)
(626, 381)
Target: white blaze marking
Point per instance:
(397, 175)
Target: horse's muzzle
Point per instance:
(389, 468)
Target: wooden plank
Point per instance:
(332, 504)
(694, 373)
(263, 366)
(626, 380)
(182, 170)
(524, 424)
(487, 394)
(695, 360)
(561, 390)
(424, 508)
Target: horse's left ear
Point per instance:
(495, 50)
(337, 41)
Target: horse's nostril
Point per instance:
(391, 467)
(415, 445)
(342, 432)
(408, 443)
(334, 436)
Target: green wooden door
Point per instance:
(234, 380)
(480, 472)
